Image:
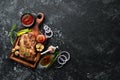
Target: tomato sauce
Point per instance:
(27, 20)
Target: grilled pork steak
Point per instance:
(27, 43)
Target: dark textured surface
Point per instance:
(88, 29)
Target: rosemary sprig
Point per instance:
(12, 33)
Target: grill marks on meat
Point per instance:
(27, 43)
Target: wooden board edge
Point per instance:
(24, 62)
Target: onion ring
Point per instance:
(62, 59)
(48, 31)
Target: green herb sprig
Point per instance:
(12, 33)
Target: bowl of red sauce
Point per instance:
(27, 20)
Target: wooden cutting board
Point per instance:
(31, 64)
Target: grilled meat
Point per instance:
(27, 43)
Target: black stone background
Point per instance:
(88, 29)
